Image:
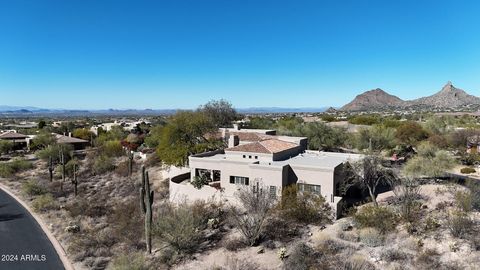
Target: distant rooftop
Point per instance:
(66, 139)
(12, 135)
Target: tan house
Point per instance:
(274, 162)
(20, 141)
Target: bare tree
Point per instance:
(369, 173)
(407, 192)
(250, 217)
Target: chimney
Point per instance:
(233, 141)
(69, 134)
(236, 127)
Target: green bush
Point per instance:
(371, 237)
(53, 151)
(381, 218)
(113, 149)
(103, 164)
(132, 261)
(33, 188)
(180, 226)
(43, 202)
(467, 170)
(5, 146)
(8, 169)
(304, 207)
(199, 181)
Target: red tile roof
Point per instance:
(269, 146)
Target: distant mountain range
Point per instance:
(35, 111)
(448, 97)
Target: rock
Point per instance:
(72, 228)
(260, 250)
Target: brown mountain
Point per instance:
(373, 99)
(449, 96)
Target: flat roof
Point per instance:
(325, 160)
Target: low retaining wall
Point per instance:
(181, 191)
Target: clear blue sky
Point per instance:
(92, 54)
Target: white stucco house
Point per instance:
(272, 161)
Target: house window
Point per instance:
(216, 175)
(239, 180)
(244, 156)
(309, 188)
(256, 157)
(250, 157)
(273, 192)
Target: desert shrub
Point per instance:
(467, 170)
(5, 146)
(237, 264)
(255, 208)
(234, 244)
(282, 230)
(348, 236)
(304, 207)
(354, 262)
(112, 148)
(329, 245)
(33, 188)
(5, 170)
(103, 164)
(301, 257)
(464, 200)
(132, 261)
(179, 227)
(459, 224)
(126, 221)
(407, 194)
(8, 169)
(122, 168)
(43, 202)
(86, 208)
(428, 259)
(371, 237)
(76, 208)
(381, 218)
(392, 254)
(474, 187)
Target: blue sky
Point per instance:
(94, 54)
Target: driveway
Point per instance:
(23, 244)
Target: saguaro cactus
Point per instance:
(130, 163)
(62, 161)
(74, 179)
(146, 200)
(50, 168)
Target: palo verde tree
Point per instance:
(186, 133)
(369, 173)
(220, 112)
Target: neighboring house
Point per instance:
(473, 144)
(78, 144)
(20, 141)
(274, 162)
